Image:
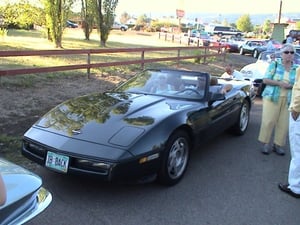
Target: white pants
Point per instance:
(294, 171)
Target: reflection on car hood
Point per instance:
(107, 118)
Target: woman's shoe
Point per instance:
(266, 149)
(278, 150)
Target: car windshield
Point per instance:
(258, 43)
(168, 83)
(268, 56)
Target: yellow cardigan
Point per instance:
(295, 101)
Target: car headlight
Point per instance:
(94, 164)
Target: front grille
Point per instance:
(77, 164)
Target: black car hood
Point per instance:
(109, 118)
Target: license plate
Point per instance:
(57, 162)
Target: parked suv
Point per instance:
(224, 30)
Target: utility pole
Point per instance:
(279, 15)
(278, 29)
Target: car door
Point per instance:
(223, 113)
(215, 117)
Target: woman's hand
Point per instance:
(285, 85)
(295, 115)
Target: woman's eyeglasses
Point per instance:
(289, 52)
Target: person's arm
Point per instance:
(295, 110)
(278, 83)
(226, 88)
(2, 191)
(268, 78)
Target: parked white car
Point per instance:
(256, 71)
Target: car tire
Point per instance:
(240, 127)
(255, 53)
(175, 158)
(242, 51)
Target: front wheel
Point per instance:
(255, 54)
(175, 159)
(242, 51)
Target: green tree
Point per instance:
(257, 30)
(105, 18)
(267, 28)
(244, 23)
(88, 15)
(22, 15)
(142, 21)
(57, 12)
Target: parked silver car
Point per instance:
(119, 26)
(25, 196)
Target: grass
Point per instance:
(74, 39)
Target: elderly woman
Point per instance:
(279, 80)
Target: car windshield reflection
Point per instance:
(168, 83)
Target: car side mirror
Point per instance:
(213, 96)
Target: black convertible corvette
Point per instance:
(146, 127)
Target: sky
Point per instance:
(168, 7)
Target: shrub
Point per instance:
(3, 32)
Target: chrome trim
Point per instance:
(75, 132)
(44, 198)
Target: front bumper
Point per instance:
(107, 170)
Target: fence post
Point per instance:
(178, 55)
(89, 63)
(205, 52)
(143, 58)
